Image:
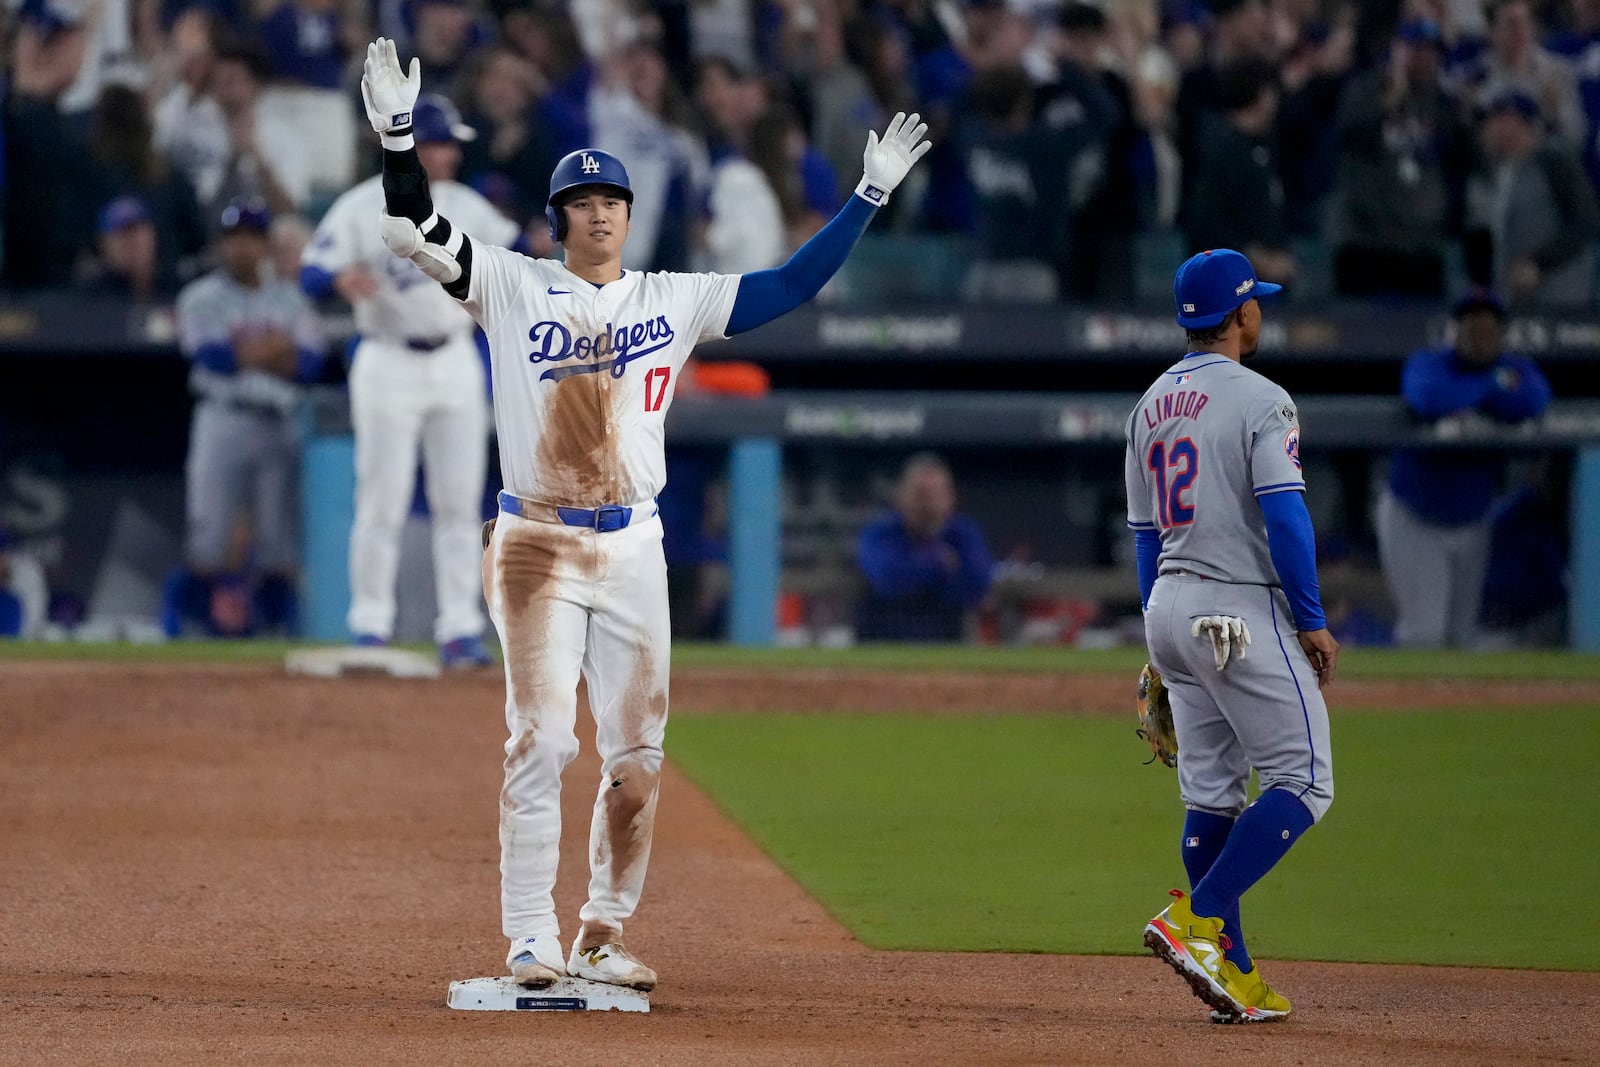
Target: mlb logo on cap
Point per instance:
(1211, 284)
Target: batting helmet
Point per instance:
(434, 118)
(586, 166)
(245, 213)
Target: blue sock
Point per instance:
(1261, 837)
(1204, 835)
(185, 599)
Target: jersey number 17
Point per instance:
(1175, 469)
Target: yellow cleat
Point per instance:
(1193, 945)
(1261, 1002)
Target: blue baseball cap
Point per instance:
(122, 212)
(1212, 283)
(434, 119)
(1479, 298)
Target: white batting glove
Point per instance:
(1227, 633)
(885, 163)
(390, 92)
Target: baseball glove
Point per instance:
(1155, 718)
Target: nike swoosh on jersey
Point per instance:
(553, 291)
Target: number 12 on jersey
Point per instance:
(1175, 469)
(655, 393)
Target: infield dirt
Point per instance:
(221, 864)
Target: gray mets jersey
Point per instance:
(1204, 443)
(1206, 439)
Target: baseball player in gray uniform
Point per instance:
(252, 340)
(1227, 562)
(416, 383)
(585, 356)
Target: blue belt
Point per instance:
(426, 344)
(603, 519)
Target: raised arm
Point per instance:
(766, 294)
(411, 228)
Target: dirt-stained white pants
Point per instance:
(402, 400)
(567, 600)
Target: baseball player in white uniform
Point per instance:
(585, 357)
(415, 380)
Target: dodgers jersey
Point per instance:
(214, 309)
(1204, 441)
(584, 374)
(408, 304)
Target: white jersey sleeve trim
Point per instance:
(1281, 487)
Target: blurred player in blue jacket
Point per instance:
(1433, 519)
(925, 565)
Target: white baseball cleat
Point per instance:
(611, 964)
(535, 962)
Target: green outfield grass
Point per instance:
(1357, 663)
(1466, 839)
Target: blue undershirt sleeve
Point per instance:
(316, 282)
(766, 294)
(1147, 553)
(308, 365)
(1293, 545)
(216, 356)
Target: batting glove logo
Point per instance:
(400, 118)
(874, 194)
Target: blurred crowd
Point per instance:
(1410, 146)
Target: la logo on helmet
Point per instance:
(591, 165)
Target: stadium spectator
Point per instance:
(744, 228)
(1433, 518)
(1240, 32)
(510, 161)
(927, 568)
(638, 113)
(804, 181)
(1579, 44)
(1236, 195)
(230, 142)
(128, 262)
(1515, 61)
(44, 155)
(1403, 150)
(841, 100)
(127, 163)
(1312, 74)
(306, 42)
(1020, 172)
(1531, 214)
(89, 42)
(1091, 102)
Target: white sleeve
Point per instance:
(333, 247)
(497, 277)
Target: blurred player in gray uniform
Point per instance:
(416, 380)
(1226, 562)
(252, 340)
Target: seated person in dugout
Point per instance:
(926, 566)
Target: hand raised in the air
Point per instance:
(389, 90)
(886, 162)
